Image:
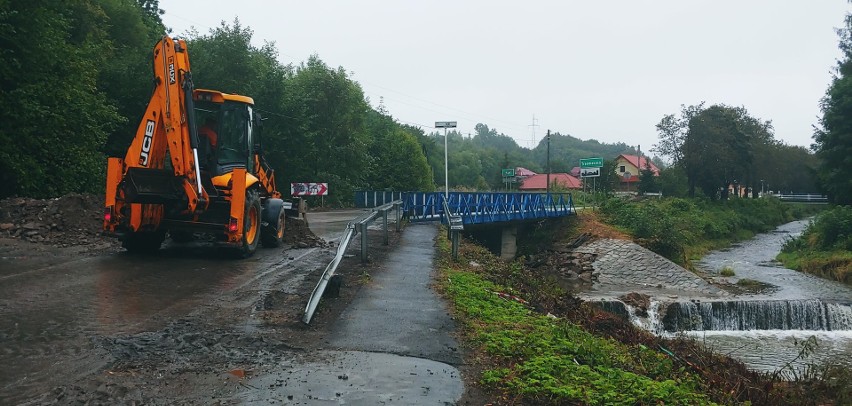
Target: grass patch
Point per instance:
(536, 344)
(684, 229)
(727, 271)
(824, 248)
(551, 359)
(749, 283)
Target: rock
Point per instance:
(639, 301)
(31, 226)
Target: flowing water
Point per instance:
(770, 329)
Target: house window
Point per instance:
(621, 169)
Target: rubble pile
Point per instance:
(298, 235)
(77, 220)
(568, 264)
(71, 220)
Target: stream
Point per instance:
(769, 330)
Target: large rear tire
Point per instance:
(143, 242)
(273, 235)
(251, 225)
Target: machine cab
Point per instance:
(228, 129)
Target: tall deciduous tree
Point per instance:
(833, 139)
(398, 162)
(55, 118)
(718, 146)
(132, 28)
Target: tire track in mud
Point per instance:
(83, 330)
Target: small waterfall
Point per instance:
(757, 315)
(651, 322)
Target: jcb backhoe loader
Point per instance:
(195, 166)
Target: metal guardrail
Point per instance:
(480, 208)
(373, 198)
(358, 225)
(806, 198)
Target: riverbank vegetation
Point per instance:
(825, 247)
(683, 229)
(528, 341)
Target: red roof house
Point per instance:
(538, 182)
(523, 172)
(628, 167)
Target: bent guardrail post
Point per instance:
(398, 206)
(385, 226)
(362, 228)
(318, 291)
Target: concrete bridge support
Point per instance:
(509, 242)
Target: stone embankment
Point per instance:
(623, 266)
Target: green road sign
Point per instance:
(591, 163)
(508, 173)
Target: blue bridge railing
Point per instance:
(481, 208)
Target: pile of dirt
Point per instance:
(71, 220)
(77, 220)
(298, 235)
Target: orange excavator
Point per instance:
(194, 167)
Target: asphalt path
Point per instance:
(393, 343)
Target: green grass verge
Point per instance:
(685, 229)
(835, 265)
(553, 360)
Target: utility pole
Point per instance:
(548, 162)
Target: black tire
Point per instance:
(143, 243)
(272, 235)
(251, 225)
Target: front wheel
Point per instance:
(251, 225)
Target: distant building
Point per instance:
(523, 172)
(575, 171)
(538, 183)
(628, 168)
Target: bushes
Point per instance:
(825, 247)
(678, 228)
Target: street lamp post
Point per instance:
(445, 125)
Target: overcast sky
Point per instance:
(607, 70)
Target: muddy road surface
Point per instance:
(90, 323)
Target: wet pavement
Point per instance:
(392, 344)
(68, 314)
(82, 327)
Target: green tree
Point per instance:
(672, 182)
(833, 138)
(647, 179)
(55, 119)
(398, 162)
(717, 146)
(132, 28)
